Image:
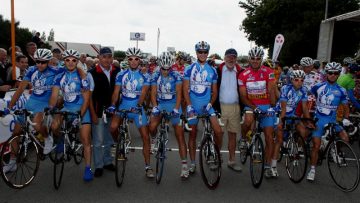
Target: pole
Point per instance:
(158, 41)
(13, 41)
(137, 43)
(326, 8)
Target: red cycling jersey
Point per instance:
(255, 82)
(179, 69)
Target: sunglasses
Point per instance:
(41, 62)
(73, 60)
(297, 80)
(164, 69)
(136, 59)
(202, 52)
(255, 58)
(333, 73)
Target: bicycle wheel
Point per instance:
(78, 150)
(210, 163)
(160, 161)
(296, 158)
(59, 163)
(120, 161)
(343, 165)
(243, 151)
(19, 161)
(257, 159)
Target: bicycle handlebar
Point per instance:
(201, 116)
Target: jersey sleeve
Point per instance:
(215, 76)
(57, 79)
(241, 79)
(178, 79)
(270, 75)
(119, 77)
(187, 72)
(91, 82)
(29, 73)
(304, 96)
(154, 78)
(283, 94)
(344, 99)
(147, 79)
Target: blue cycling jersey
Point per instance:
(328, 98)
(166, 86)
(42, 82)
(71, 85)
(131, 82)
(201, 78)
(292, 97)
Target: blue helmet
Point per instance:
(202, 45)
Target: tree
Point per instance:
(43, 36)
(119, 55)
(51, 36)
(215, 56)
(299, 22)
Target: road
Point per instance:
(233, 187)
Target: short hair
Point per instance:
(19, 57)
(30, 44)
(56, 51)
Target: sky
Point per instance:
(182, 23)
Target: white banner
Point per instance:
(137, 36)
(279, 41)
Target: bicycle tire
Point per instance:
(78, 151)
(25, 161)
(243, 153)
(209, 157)
(59, 163)
(296, 159)
(340, 155)
(120, 161)
(281, 154)
(160, 161)
(257, 157)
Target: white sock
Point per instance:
(273, 163)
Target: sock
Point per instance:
(193, 162)
(266, 166)
(273, 163)
(312, 168)
(184, 163)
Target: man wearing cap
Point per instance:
(228, 102)
(103, 75)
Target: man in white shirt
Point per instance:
(229, 102)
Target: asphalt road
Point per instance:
(233, 187)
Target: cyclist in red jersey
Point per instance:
(152, 65)
(179, 65)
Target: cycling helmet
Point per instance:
(133, 52)
(306, 61)
(333, 66)
(43, 54)
(71, 53)
(202, 45)
(268, 63)
(180, 55)
(166, 60)
(348, 60)
(144, 62)
(297, 74)
(316, 64)
(256, 52)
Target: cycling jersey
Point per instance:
(255, 82)
(152, 68)
(310, 80)
(292, 98)
(166, 86)
(179, 69)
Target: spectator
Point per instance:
(89, 63)
(54, 62)
(21, 66)
(30, 51)
(4, 87)
(82, 62)
(57, 54)
(37, 40)
(116, 64)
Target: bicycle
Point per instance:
(209, 153)
(122, 145)
(339, 155)
(23, 152)
(253, 147)
(72, 147)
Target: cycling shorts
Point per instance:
(319, 131)
(200, 109)
(168, 107)
(36, 106)
(265, 121)
(85, 119)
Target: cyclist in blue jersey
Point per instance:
(133, 86)
(75, 89)
(329, 95)
(291, 96)
(200, 92)
(166, 91)
(40, 77)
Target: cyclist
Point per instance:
(311, 78)
(152, 66)
(75, 89)
(166, 91)
(329, 96)
(41, 78)
(179, 66)
(257, 93)
(291, 96)
(200, 92)
(134, 87)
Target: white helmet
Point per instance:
(43, 54)
(256, 52)
(306, 61)
(165, 60)
(333, 66)
(133, 52)
(297, 74)
(202, 45)
(348, 60)
(71, 53)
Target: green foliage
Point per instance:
(216, 56)
(119, 55)
(299, 22)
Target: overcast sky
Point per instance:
(182, 23)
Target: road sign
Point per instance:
(137, 36)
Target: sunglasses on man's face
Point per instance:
(136, 59)
(164, 69)
(255, 58)
(298, 79)
(202, 52)
(41, 62)
(68, 60)
(333, 73)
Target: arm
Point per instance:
(271, 86)
(115, 95)
(353, 99)
(85, 105)
(18, 93)
(54, 96)
(244, 99)
(178, 95)
(186, 86)
(144, 92)
(346, 111)
(214, 94)
(153, 93)
(305, 109)
(92, 110)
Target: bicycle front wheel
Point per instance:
(242, 146)
(296, 158)
(19, 161)
(120, 161)
(210, 163)
(257, 159)
(160, 161)
(59, 162)
(343, 165)
(78, 150)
